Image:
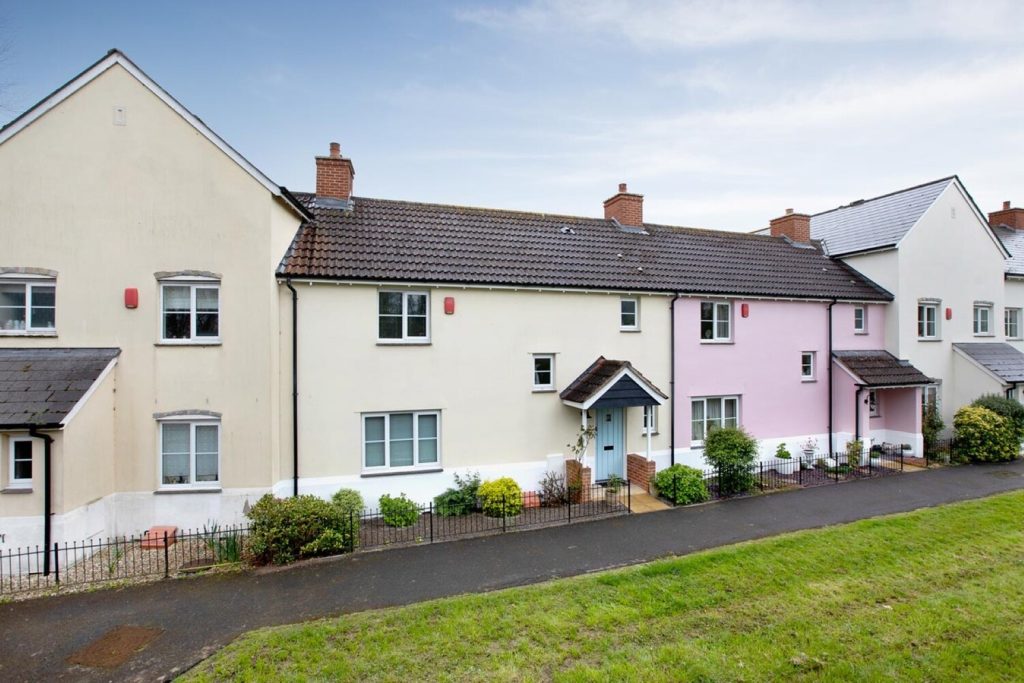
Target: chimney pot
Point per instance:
(335, 150)
(622, 187)
(789, 212)
(1006, 205)
(626, 208)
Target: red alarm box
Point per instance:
(131, 297)
(449, 305)
(949, 314)
(744, 310)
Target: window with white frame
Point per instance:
(982, 320)
(860, 320)
(717, 411)
(543, 372)
(401, 440)
(807, 363)
(20, 473)
(1011, 320)
(189, 453)
(873, 404)
(629, 314)
(403, 316)
(715, 321)
(190, 312)
(28, 307)
(650, 419)
(927, 320)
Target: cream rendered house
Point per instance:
(146, 380)
(934, 250)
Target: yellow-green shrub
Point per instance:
(501, 497)
(984, 436)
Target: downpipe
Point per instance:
(295, 387)
(47, 495)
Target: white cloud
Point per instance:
(692, 23)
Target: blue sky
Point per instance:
(722, 114)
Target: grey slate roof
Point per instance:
(881, 368)
(592, 380)
(41, 386)
(874, 223)
(394, 241)
(1013, 240)
(999, 358)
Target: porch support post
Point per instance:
(583, 422)
(649, 430)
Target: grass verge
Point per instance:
(932, 595)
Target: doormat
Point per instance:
(115, 647)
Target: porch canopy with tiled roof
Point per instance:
(880, 369)
(43, 387)
(611, 384)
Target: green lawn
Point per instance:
(934, 595)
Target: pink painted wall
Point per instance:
(900, 410)
(762, 363)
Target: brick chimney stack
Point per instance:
(795, 226)
(625, 207)
(334, 175)
(1008, 216)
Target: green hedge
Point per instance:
(501, 497)
(681, 484)
(398, 510)
(283, 530)
(1010, 409)
(731, 451)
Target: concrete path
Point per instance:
(198, 616)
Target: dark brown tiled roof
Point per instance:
(595, 377)
(881, 368)
(41, 386)
(999, 358)
(393, 241)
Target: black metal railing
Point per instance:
(140, 557)
(799, 472)
(120, 558)
(943, 452)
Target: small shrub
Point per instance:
(553, 491)
(614, 484)
(1008, 408)
(931, 427)
(854, 449)
(330, 542)
(398, 510)
(226, 546)
(283, 527)
(985, 436)
(782, 453)
(731, 452)
(350, 504)
(681, 484)
(460, 500)
(501, 497)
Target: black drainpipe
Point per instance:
(672, 377)
(47, 501)
(856, 416)
(830, 436)
(295, 388)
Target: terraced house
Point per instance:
(179, 334)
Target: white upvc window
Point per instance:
(927, 320)
(982, 320)
(543, 372)
(190, 312)
(807, 366)
(629, 314)
(27, 307)
(873, 410)
(650, 425)
(20, 464)
(1011, 320)
(401, 441)
(860, 320)
(715, 321)
(715, 411)
(189, 453)
(403, 317)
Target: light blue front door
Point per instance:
(611, 442)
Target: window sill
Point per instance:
(28, 333)
(644, 434)
(808, 381)
(197, 489)
(986, 336)
(17, 489)
(401, 342)
(544, 390)
(862, 333)
(629, 329)
(1015, 339)
(716, 341)
(929, 339)
(211, 342)
(395, 473)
